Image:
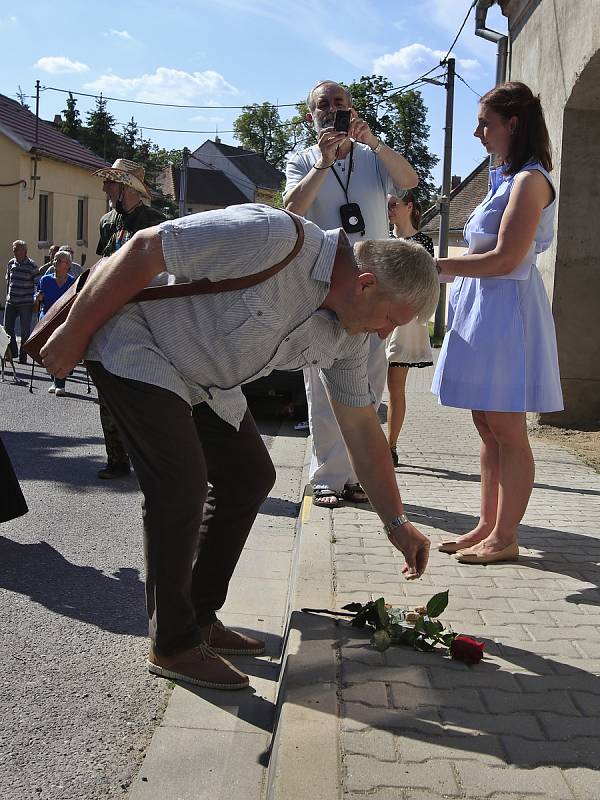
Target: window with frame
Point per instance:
(44, 217)
(82, 218)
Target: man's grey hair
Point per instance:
(403, 269)
(63, 255)
(309, 98)
(66, 248)
(19, 243)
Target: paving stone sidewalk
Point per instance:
(522, 724)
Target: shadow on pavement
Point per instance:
(39, 455)
(278, 507)
(114, 603)
(515, 707)
(453, 475)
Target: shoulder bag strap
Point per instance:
(206, 286)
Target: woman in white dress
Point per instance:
(408, 345)
(499, 357)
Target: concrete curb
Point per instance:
(305, 759)
(215, 744)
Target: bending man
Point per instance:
(175, 393)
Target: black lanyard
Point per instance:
(337, 177)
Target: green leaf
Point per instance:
(401, 634)
(381, 640)
(422, 644)
(432, 628)
(437, 604)
(448, 638)
(383, 619)
(353, 607)
(420, 625)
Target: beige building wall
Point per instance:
(555, 49)
(19, 211)
(11, 170)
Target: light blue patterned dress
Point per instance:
(499, 352)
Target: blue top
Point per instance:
(487, 216)
(51, 290)
(499, 352)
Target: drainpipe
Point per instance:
(492, 36)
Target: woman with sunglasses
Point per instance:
(408, 345)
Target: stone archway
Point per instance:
(576, 297)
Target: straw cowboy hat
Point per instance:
(127, 172)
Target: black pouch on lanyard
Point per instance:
(352, 218)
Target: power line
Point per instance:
(163, 105)
(460, 30)
(460, 78)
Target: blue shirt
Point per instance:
(51, 290)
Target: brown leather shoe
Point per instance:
(230, 643)
(199, 665)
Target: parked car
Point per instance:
(280, 394)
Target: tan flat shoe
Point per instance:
(449, 546)
(510, 553)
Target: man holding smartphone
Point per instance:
(342, 182)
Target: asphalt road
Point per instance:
(77, 705)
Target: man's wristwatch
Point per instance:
(378, 146)
(396, 522)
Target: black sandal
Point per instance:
(320, 493)
(350, 492)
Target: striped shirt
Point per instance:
(20, 277)
(204, 348)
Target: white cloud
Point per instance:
(166, 85)
(468, 63)
(409, 62)
(5, 22)
(119, 34)
(58, 64)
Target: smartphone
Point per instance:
(341, 121)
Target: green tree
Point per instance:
(71, 124)
(129, 140)
(100, 135)
(399, 120)
(259, 128)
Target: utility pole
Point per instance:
(440, 313)
(183, 182)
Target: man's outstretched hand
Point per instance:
(63, 351)
(414, 546)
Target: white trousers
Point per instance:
(330, 465)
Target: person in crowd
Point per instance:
(125, 187)
(49, 264)
(175, 392)
(53, 285)
(342, 180)
(499, 356)
(76, 269)
(21, 273)
(407, 346)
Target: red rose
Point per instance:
(463, 648)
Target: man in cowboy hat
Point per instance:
(126, 190)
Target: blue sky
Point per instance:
(234, 52)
